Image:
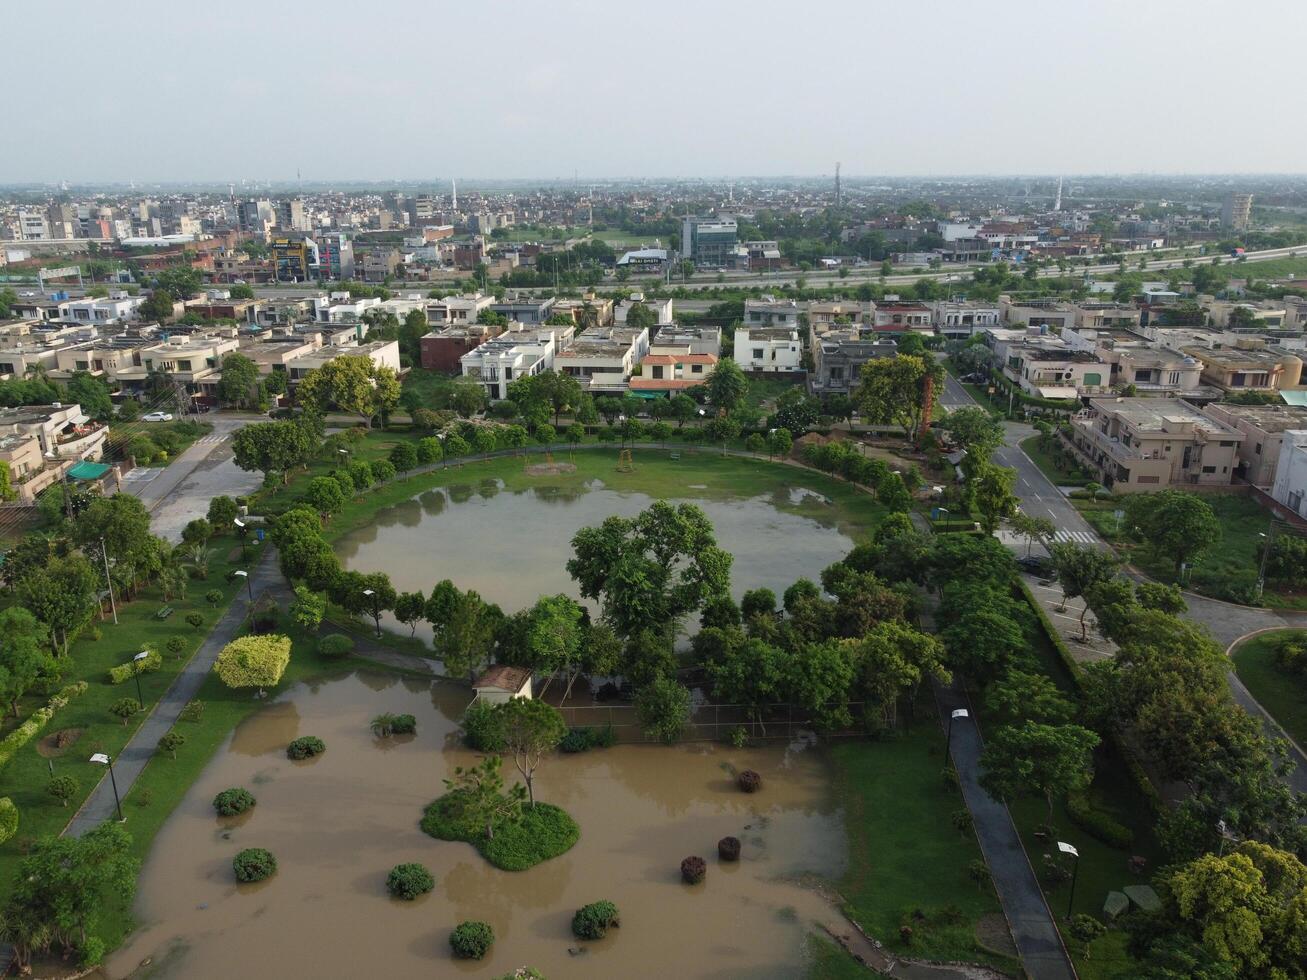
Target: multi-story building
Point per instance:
(768, 350)
(1151, 443)
(380, 264)
(193, 361)
(1037, 312)
(111, 309)
(660, 308)
(29, 471)
(531, 312)
(442, 349)
(709, 242)
(1236, 369)
(902, 318)
(1290, 486)
(589, 311)
(458, 309)
(294, 259)
(1048, 368)
(698, 340)
(291, 216)
(667, 371)
(62, 431)
(1106, 316)
(958, 320)
(1236, 212)
(382, 353)
(823, 316)
(33, 227)
(498, 362)
(770, 312)
(603, 358)
(335, 257)
(838, 357)
(1264, 429)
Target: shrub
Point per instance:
(175, 645)
(8, 819)
(193, 711)
(232, 801)
(171, 742)
(408, 881)
(61, 788)
(335, 645)
(1290, 654)
(194, 620)
(124, 708)
(481, 728)
(594, 920)
(693, 870)
(728, 848)
(213, 596)
(306, 747)
(471, 940)
(254, 864)
(962, 820)
(577, 740)
(404, 456)
(94, 634)
(383, 471)
(37, 720)
(91, 952)
(1096, 823)
(1086, 928)
(749, 781)
(125, 672)
(388, 724)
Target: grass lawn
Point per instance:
(763, 392)
(1283, 695)
(543, 832)
(176, 436)
(1072, 476)
(904, 852)
(1229, 568)
(826, 961)
(25, 778)
(432, 386)
(1268, 268)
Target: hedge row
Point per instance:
(125, 672)
(38, 719)
(1097, 824)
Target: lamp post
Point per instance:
(957, 713)
(136, 672)
(621, 422)
(376, 611)
(104, 553)
(249, 589)
(770, 432)
(101, 759)
(444, 460)
(1268, 539)
(243, 532)
(1066, 848)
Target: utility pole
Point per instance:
(104, 553)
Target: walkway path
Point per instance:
(99, 806)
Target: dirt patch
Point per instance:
(55, 744)
(992, 933)
(550, 469)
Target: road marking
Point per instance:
(1078, 537)
(212, 438)
(142, 474)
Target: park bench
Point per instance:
(673, 455)
(164, 613)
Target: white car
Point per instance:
(157, 417)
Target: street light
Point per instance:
(1066, 848)
(957, 713)
(376, 610)
(1268, 537)
(136, 672)
(249, 589)
(444, 460)
(101, 759)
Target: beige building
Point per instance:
(62, 431)
(29, 472)
(1152, 443)
(1235, 369)
(1263, 428)
(382, 353)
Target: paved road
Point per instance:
(1029, 917)
(99, 806)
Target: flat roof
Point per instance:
(1269, 418)
(1152, 414)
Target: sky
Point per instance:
(151, 90)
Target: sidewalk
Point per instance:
(99, 806)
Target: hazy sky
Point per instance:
(190, 90)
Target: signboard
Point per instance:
(61, 273)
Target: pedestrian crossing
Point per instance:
(1077, 537)
(212, 438)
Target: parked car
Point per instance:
(157, 417)
(1036, 565)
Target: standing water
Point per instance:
(337, 824)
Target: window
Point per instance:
(696, 369)
(757, 354)
(1209, 469)
(1149, 479)
(1258, 449)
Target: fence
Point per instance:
(711, 722)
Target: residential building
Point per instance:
(271, 356)
(291, 216)
(458, 309)
(603, 358)
(380, 264)
(660, 308)
(498, 362)
(1263, 315)
(588, 311)
(1290, 486)
(279, 311)
(667, 371)
(759, 256)
(1151, 443)
(709, 242)
(33, 227)
(770, 312)
(1037, 312)
(1235, 369)
(257, 217)
(1236, 212)
(531, 312)
(768, 350)
(1158, 372)
(699, 339)
(442, 349)
(106, 357)
(1049, 368)
(382, 353)
(112, 309)
(959, 320)
(1106, 316)
(218, 305)
(1264, 428)
(900, 318)
(62, 431)
(193, 361)
(838, 356)
(823, 316)
(335, 257)
(29, 471)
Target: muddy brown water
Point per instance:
(337, 825)
(472, 534)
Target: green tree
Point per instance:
(1033, 528)
(240, 377)
(61, 595)
(1022, 695)
(326, 496)
(92, 393)
(779, 442)
(410, 607)
(253, 661)
(467, 396)
(991, 490)
(352, 384)
(976, 431)
(1037, 759)
(663, 708)
(157, 306)
(530, 728)
(726, 385)
(481, 792)
(222, 511)
(1079, 568)
(464, 628)
(684, 408)
(23, 656)
(1179, 525)
(181, 281)
(269, 447)
(892, 390)
(308, 608)
(750, 674)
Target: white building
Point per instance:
(603, 358)
(500, 361)
(118, 306)
(769, 350)
(458, 309)
(959, 320)
(661, 308)
(1291, 472)
(382, 353)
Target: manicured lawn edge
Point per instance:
(1282, 695)
(543, 831)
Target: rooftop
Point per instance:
(1160, 414)
(1234, 356)
(1269, 418)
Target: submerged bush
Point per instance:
(254, 864)
(481, 728)
(471, 940)
(335, 645)
(306, 747)
(232, 801)
(749, 781)
(408, 881)
(693, 870)
(594, 920)
(386, 725)
(728, 848)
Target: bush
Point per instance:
(175, 645)
(539, 833)
(232, 801)
(1097, 824)
(749, 781)
(404, 456)
(8, 819)
(91, 952)
(408, 881)
(728, 848)
(385, 725)
(194, 620)
(1086, 928)
(62, 788)
(481, 728)
(1290, 654)
(213, 597)
(578, 740)
(383, 471)
(254, 864)
(335, 645)
(594, 920)
(306, 747)
(193, 711)
(125, 672)
(693, 870)
(124, 708)
(471, 940)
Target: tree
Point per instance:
(125, 708)
(353, 384)
(983, 641)
(796, 410)
(892, 389)
(326, 496)
(684, 408)
(481, 792)
(269, 447)
(1179, 525)
(464, 628)
(181, 281)
(976, 431)
(222, 511)
(749, 674)
(991, 491)
(158, 306)
(663, 708)
(726, 385)
(1021, 695)
(1033, 528)
(1079, 568)
(1038, 759)
(779, 442)
(61, 595)
(253, 661)
(170, 742)
(551, 637)
(650, 570)
(530, 728)
(240, 376)
(23, 656)
(467, 396)
(639, 316)
(61, 886)
(410, 607)
(308, 608)
(91, 393)
(62, 789)
(122, 523)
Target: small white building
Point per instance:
(1290, 485)
(500, 683)
(117, 306)
(769, 350)
(504, 359)
(382, 353)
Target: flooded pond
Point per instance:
(512, 546)
(337, 825)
